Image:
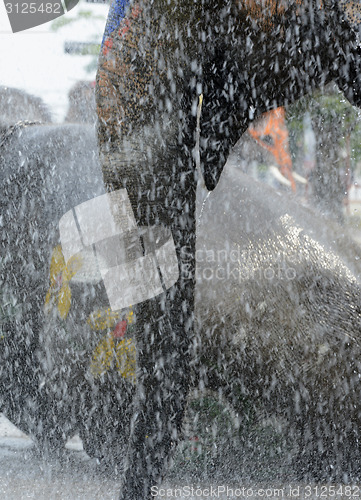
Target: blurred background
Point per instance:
(48, 60)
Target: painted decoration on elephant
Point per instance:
(115, 349)
(117, 22)
(116, 14)
(352, 12)
(59, 293)
(265, 10)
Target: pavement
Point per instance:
(25, 475)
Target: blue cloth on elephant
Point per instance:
(116, 14)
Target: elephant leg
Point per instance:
(146, 137)
(153, 65)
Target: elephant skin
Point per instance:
(277, 307)
(157, 57)
(44, 172)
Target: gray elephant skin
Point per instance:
(277, 310)
(45, 170)
(243, 58)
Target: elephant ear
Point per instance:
(211, 175)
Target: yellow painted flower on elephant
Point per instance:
(120, 354)
(102, 319)
(59, 293)
(130, 316)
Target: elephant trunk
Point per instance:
(146, 137)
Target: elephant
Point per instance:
(163, 67)
(47, 169)
(40, 168)
(53, 380)
(253, 287)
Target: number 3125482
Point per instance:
(32, 8)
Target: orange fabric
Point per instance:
(273, 125)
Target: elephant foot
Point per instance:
(104, 420)
(108, 454)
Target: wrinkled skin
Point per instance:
(245, 59)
